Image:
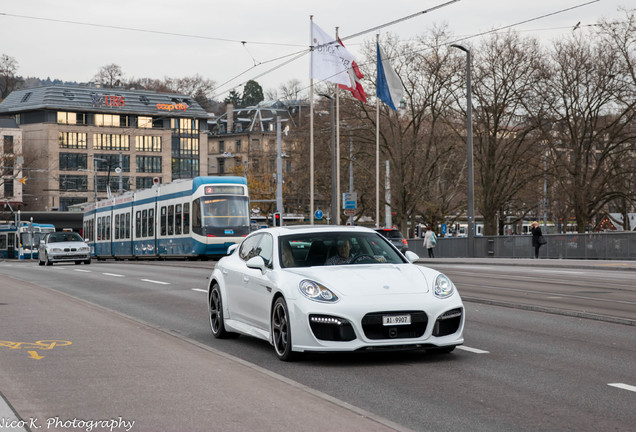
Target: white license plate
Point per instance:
(388, 320)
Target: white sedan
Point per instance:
(63, 246)
(309, 288)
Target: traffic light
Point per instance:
(278, 219)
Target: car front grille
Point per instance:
(331, 328)
(448, 322)
(373, 328)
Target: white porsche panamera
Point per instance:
(330, 288)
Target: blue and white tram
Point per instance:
(195, 218)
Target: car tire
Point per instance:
(281, 331)
(78, 262)
(215, 308)
(87, 262)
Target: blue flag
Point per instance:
(389, 86)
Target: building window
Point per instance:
(221, 146)
(102, 181)
(7, 144)
(106, 120)
(66, 202)
(73, 161)
(72, 140)
(144, 122)
(8, 188)
(112, 161)
(66, 117)
(221, 163)
(73, 182)
(111, 142)
(184, 168)
(185, 146)
(184, 125)
(148, 164)
(238, 146)
(148, 143)
(143, 183)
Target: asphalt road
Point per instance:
(561, 355)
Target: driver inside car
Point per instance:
(344, 254)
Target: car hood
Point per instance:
(371, 279)
(64, 245)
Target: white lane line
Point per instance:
(623, 386)
(113, 274)
(199, 289)
(472, 350)
(156, 282)
(82, 271)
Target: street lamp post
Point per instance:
(335, 211)
(469, 144)
(95, 159)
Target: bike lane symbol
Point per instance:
(32, 346)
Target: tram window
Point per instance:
(144, 223)
(186, 218)
(116, 227)
(151, 223)
(163, 221)
(196, 213)
(107, 227)
(99, 228)
(138, 224)
(170, 220)
(177, 219)
(127, 225)
(3, 241)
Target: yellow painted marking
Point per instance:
(39, 345)
(35, 355)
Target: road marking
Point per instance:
(472, 350)
(113, 274)
(623, 386)
(199, 289)
(35, 355)
(156, 282)
(83, 271)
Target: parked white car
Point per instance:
(308, 288)
(63, 246)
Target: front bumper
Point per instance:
(352, 324)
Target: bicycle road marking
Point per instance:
(32, 346)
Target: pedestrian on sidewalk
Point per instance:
(537, 238)
(430, 241)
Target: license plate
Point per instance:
(390, 320)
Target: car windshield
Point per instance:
(324, 249)
(64, 237)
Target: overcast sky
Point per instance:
(71, 39)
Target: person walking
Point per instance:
(430, 241)
(537, 238)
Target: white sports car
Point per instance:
(330, 288)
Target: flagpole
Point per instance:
(377, 152)
(337, 210)
(311, 124)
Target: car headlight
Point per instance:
(317, 292)
(443, 286)
(84, 249)
(56, 250)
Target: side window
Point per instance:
(186, 218)
(259, 245)
(144, 223)
(266, 248)
(151, 223)
(177, 219)
(170, 220)
(163, 221)
(116, 227)
(138, 224)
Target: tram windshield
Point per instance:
(222, 211)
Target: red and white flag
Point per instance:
(330, 61)
(355, 86)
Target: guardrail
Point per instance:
(607, 246)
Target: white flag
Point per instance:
(330, 61)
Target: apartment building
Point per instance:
(79, 142)
(11, 160)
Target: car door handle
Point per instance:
(246, 278)
(225, 271)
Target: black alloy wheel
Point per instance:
(216, 314)
(281, 331)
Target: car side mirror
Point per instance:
(232, 248)
(411, 256)
(256, 262)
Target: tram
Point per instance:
(193, 218)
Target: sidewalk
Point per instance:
(66, 361)
(564, 263)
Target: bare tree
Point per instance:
(591, 134)
(8, 80)
(110, 76)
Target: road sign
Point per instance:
(349, 212)
(318, 214)
(444, 229)
(350, 200)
